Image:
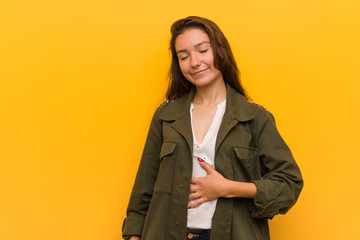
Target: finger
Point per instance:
(194, 196)
(193, 188)
(194, 180)
(198, 202)
(208, 168)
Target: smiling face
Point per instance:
(196, 58)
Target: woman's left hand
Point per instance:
(207, 188)
(214, 185)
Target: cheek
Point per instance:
(182, 67)
(211, 61)
(211, 58)
(184, 70)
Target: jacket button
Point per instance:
(181, 185)
(177, 223)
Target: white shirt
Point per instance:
(201, 216)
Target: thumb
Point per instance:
(208, 168)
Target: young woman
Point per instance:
(214, 165)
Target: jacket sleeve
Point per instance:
(145, 180)
(281, 182)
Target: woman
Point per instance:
(214, 163)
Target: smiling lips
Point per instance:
(199, 72)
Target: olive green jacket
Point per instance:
(248, 148)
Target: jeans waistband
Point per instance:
(198, 234)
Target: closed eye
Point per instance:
(204, 51)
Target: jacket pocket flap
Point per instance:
(167, 148)
(244, 152)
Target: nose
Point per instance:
(195, 60)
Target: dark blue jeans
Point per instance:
(198, 234)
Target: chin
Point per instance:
(200, 83)
(203, 82)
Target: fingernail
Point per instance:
(200, 160)
(189, 207)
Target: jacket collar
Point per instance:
(236, 106)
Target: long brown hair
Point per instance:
(223, 57)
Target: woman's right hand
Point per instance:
(134, 238)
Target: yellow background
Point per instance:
(80, 80)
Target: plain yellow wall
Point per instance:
(80, 80)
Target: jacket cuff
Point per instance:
(265, 203)
(132, 226)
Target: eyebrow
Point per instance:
(196, 45)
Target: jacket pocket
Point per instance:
(167, 148)
(167, 166)
(247, 166)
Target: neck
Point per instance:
(211, 94)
